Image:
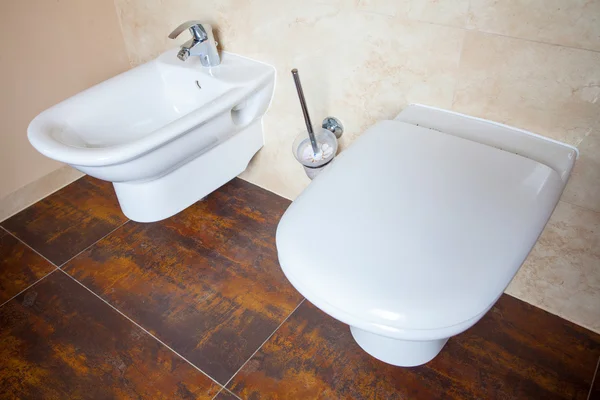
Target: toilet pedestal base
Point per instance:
(402, 353)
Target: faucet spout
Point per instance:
(183, 54)
(202, 44)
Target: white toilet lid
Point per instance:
(411, 228)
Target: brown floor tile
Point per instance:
(595, 389)
(225, 395)
(60, 341)
(19, 266)
(68, 221)
(206, 281)
(515, 352)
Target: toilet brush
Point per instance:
(317, 153)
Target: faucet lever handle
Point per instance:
(196, 29)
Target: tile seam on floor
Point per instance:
(30, 286)
(228, 391)
(263, 343)
(143, 329)
(594, 377)
(87, 248)
(29, 247)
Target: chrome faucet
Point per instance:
(201, 44)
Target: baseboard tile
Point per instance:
(37, 190)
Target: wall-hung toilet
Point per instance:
(415, 231)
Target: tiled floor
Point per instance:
(95, 306)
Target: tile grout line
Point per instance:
(478, 30)
(465, 27)
(51, 263)
(578, 206)
(29, 247)
(109, 233)
(30, 286)
(460, 55)
(458, 65)
(527, 40)
(36, 252)
(263, 343)
(228, 391)
(589, 396)
(141, 327)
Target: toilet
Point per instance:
(413, 233)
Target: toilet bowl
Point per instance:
(427, 218)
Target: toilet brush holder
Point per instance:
(302, 149)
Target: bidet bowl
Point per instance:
(140, 128)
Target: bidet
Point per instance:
(166, 133)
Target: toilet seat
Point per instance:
(414, 233)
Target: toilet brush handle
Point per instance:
(311, 134)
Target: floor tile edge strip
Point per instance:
(142, 328)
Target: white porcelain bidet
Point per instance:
(166, 133)
(428, 218)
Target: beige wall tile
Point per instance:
(385, 7)
(550, 90)
(363, 61)
(562, 273)
(372, 76)
(37, 190)
(445, 12)
(574, 23)
(534, 86)
(366, 80)
(239, 24)
(583, 188)
(50, 51)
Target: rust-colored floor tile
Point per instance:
(59, 341)
(68, 221)
(595, 389)
(225, 395)
(19, 266)
(515, 352)
(206, 281)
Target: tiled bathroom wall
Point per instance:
(81, 45)
(531, 64)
